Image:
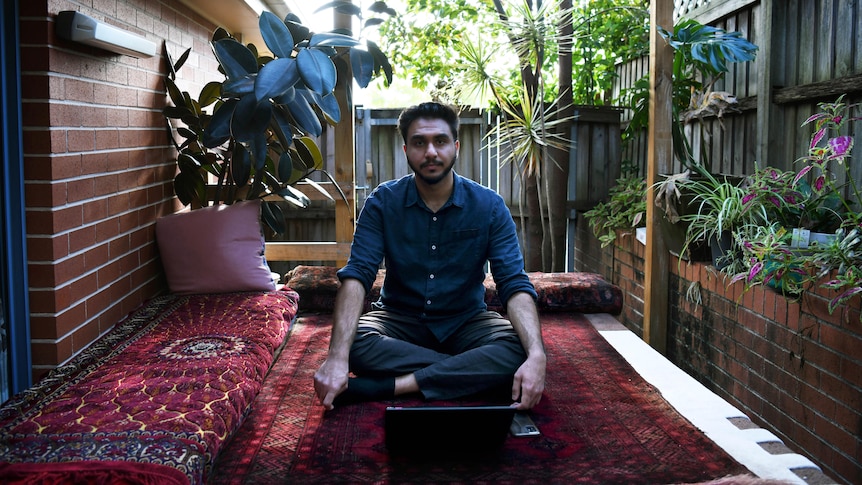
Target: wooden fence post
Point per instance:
(659, 161)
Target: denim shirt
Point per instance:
(435, 261)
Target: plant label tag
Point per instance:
(800, 238)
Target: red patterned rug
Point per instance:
(601, 423)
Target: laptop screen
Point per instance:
(447, 428)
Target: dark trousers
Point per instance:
(481, 356)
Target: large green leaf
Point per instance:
(362, 64)
(309, 152)
(240, 165)
(174, 92)
(235, 58)
(330, 39)
(258, 150)
(341, 6)
(317, 70)
(281, 127)
(235, 88)
(250, 118)
(190, 186)
(275, 78)
(329, 106)
(304, 115)
(295, 197)
(218, 130)
(294, 25)
(210, 93)
(276, 35)
(272, 215)
(286, 97)
(182, 60)
(381, 62)
(381, 7)
(285, 167)
(176, 112)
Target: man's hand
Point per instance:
(330, 381)
(529, 382)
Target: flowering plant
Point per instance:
(821, 196)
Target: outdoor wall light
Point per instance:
(78, 27)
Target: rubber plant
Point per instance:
(254, 132)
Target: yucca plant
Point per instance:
(258, 138)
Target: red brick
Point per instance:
(47, 248)
(78, 190)
(79, 90)
(84, 336)
(107, 139)
(44, 195)
(106, 185)
(80, 239)
(95, 210)
(71, 318)
(93, 163)
(843, 342)
(83, 287)
(107, 229)
(48, 354)
(841, 391)
(81, 140)
(96, 256)
(118, 204)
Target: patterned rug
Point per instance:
(153, 400)
(601, 424)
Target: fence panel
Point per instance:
(814, 57)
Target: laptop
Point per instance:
(445, 429)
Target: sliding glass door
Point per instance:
(15, 374)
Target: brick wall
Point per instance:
(790, 366)
(98, 167)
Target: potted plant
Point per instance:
(821, 195)
(718, 209)
(254, 132)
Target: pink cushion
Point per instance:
(217, 249)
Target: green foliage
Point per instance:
(426, 43)
(258, 139)
(624, 211)
(778, 253)
(701, 56)
(606, 32)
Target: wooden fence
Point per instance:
(808, 53)
(594, 163)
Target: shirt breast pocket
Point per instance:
(463, 247)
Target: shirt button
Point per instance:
(431, 276)
(428, 302)
(433, 247)
(434, 218)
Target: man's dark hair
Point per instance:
(428, 110)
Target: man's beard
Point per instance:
(437, 178)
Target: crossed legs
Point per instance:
(402, 355)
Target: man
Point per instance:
(430, 332)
